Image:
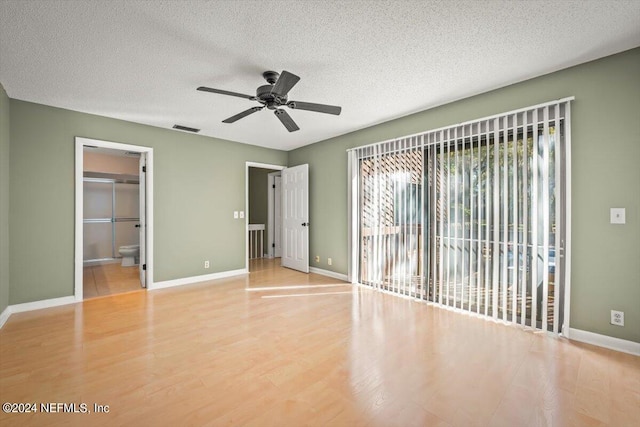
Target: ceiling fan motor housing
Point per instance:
(266, 97)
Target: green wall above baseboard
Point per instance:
(198, 183)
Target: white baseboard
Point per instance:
(605, 341)
(197, 279)
(4, 316)
(37, 305)
(328, 273)
(54, 302)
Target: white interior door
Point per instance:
(277, 215)
(295, 218)
(143, 220)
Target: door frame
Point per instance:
(80, 143)
(246, 202)
(271, 206)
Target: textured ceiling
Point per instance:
(143, 60)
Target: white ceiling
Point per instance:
(143, 60)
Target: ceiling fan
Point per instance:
(274, 95)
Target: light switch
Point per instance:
(618, 216)
(241, 214)
(235, 214)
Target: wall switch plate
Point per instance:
(329, 261)
(206, 264)
(618, 216)
(241, 214)
(617, 318)
(317, 258)
(235, 214)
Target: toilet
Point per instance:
(129, 254)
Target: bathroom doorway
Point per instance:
(263, 206)
(113, 218)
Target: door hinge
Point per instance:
(144, 267)
(274, 186)
(144, 169)
(273, 245)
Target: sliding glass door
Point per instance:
(470, 217)
(391, 221)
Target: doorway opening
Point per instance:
(263, 219)
(294, 202)
(114, 234)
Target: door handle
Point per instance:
(305, 224)
(137, 225)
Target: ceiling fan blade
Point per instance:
(319, 108)
(284, 84)
(225, 92)
(286, 120)
(245, 113)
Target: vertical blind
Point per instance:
(471, 217)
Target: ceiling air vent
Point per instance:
(186, 128)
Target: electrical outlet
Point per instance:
(329, 261)
(617, 216)
(317, 258)
(206, 264)
(241, 214)
(235, 214)
(617, 318)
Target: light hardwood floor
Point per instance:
(310, 351)
(109, 279)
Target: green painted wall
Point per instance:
(198, 183)
(4, 198)
(605, 174)
(258, 204)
